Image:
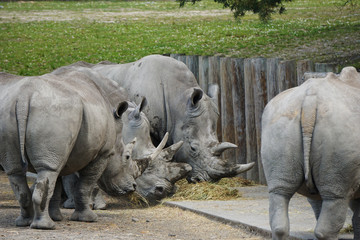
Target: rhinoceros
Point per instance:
(158, 179)
(56, 125)
(310, 144)
(177, 105)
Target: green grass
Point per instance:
(311, 29)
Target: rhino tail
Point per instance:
(22, 113)
(308, 119)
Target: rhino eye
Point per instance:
(193, 147)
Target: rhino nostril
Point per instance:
(134, 186)
(159, 189)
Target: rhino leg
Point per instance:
(43, 191)
(23, 195)
(97, 199)
(279, 217)
(331, 219)
(88, 178)
(316, 206)
(54, 205)
(355, 207)
(69, 182)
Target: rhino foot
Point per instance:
(98, 201)
(84, 216)
(69, 204)
(23, 221)
(43, 223)
(55, 214)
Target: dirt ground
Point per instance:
(117, 222)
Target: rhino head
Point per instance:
(201, 148)
(119, 176)
(158, 179)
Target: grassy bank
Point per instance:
(37, 37)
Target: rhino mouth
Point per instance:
(158, 192)
(116, 191)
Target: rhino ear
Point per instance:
(122, 107)
(140, 108)
(196, 97)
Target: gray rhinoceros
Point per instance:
(310, 144)
(177, 105)
(56, 125)
(159, 178)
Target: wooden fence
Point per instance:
(246, 85)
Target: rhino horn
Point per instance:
(169, 152)
(218, 173)
(220, 148)
(243, 167)
(160, 147)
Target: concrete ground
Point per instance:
(252, 212)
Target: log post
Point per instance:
(193, 64)
(251, 151)
(260, 100)
(204, 73)
(286, 75)
(302, 67)
(271, 76)
(227, 115)
(182, 58)
(214, 78)
(238, 96)
(326, 67)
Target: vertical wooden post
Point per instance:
(260, 100)
(238, 95)
(193, 64)
(302, 67)
(204, 73)
(182, 58)
(271, 76)
(227, 115)
(251, 151)
(286, 75)
(214, 78)
(175, 56)
(326, 67)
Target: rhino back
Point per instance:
(333, 150)
(58, 119)
(165, 88)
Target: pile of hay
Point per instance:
(225, 189)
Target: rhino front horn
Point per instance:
(240, 168)
(220, 148)
(160, 147)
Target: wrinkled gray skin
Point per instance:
(310, 144)
(159, 178)
(177, 105)
(56, 125)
